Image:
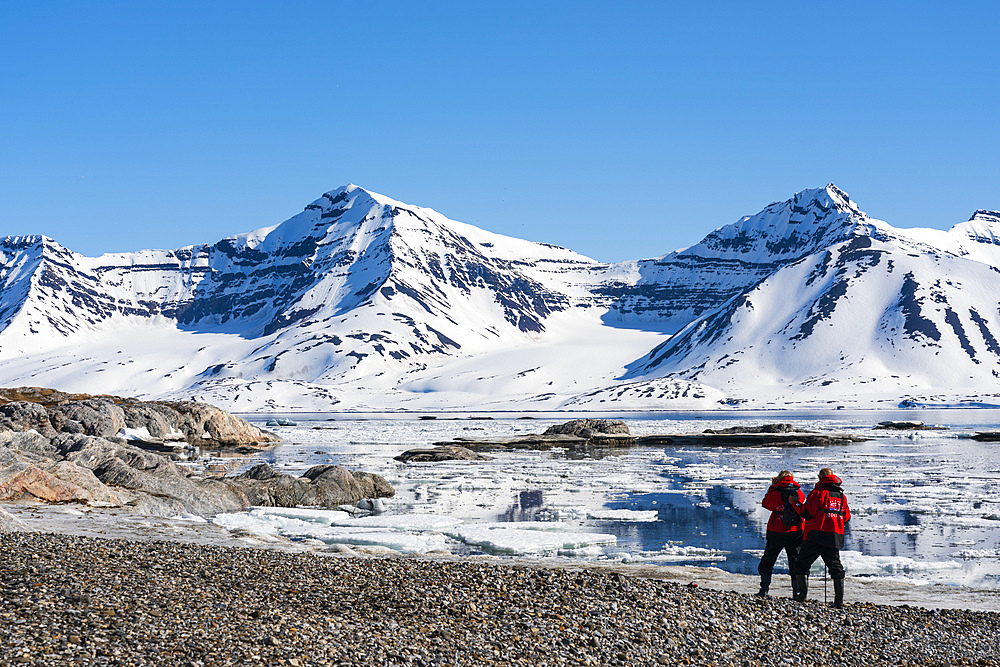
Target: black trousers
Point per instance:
(790, 542)
(808, 554)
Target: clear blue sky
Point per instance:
(620, 130)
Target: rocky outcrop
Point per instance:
(530, 441)
(907, 426)
(597, 432)
(57, 448)
(763, 428)
(323, 485)
(584, 428)
(101, 472)
(441, 453)
(24, 416)
(766, 435)
(50, 412)
(575, 434)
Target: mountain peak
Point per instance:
(345, 192)
(788, 229)
(825, 199)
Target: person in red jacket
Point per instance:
(826, 513)
(784, 528)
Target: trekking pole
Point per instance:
(824, 584)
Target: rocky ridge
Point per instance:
(364, 302)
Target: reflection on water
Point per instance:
(525, 507)
(713, 524)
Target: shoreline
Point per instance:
(85, 601)
(126, 524)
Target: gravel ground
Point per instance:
(84, 601)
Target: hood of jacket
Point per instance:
(829, 482)
(786, 483)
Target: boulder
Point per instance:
(323, 486)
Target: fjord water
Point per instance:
(926, 504)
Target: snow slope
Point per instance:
(363, 302)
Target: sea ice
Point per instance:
(623, 515)
(915, 503)
(512, 538)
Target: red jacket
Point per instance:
(826, 512)
(774, 500)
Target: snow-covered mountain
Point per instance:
(363, 302)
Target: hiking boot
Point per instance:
(765, 584)
(838, 593)
(802, 587)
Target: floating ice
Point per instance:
(242, 521)
(671, 552)
(266, 523)
(916, 503)
(858, 563)
(623, 515)
(887, 528)
(516, 538)
(971, 554)
(403, 522)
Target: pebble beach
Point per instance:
(79, 600)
